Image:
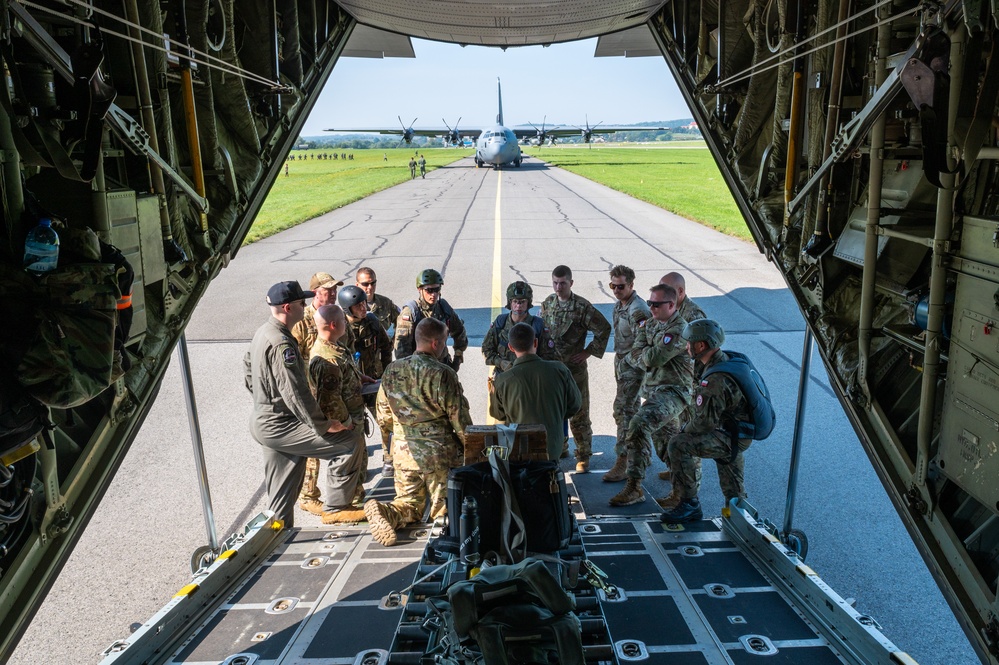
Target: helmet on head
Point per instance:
(519, 291)
(428, 277)
(705, 330)
(350, 296)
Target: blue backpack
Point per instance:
(754, 388)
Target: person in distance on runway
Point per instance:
(569, 317)
(535, 391)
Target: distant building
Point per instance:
(692, 126)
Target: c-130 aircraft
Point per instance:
(856, 137)
(497, 145)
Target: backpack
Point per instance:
(446, 311)
(536, 322)
(754, 389)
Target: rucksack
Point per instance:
(536, 322)
(754, 388)
(446, 311)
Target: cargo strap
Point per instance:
(513, 546)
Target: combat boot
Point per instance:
(631, 494)
(618, 472)
(381, 528)
(565, 450)
(666, 475)
(672, 500)
(311, 506)
(688, 510)
(388, 471)
(583, 465)
(343, 516)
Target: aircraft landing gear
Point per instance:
(516, 163)
(478, 163)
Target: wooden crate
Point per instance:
(530, 443)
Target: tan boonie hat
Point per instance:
(324, 280)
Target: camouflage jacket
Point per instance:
(428, 411)
(717, 402)
(661, 352)
(496, 351)
(628, 315)
(386, 311)
(368, 338)
(569, 322)
(305, 332)
(336, 382)
(690, 311)
(405, 339)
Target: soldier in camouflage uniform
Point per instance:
(659, 351)
(629, 312)
(684, 304)
(324, 285)
(336, 383)
(519, 300)
(423, 400)
(368, 338)
(430, 305)
(570, 317)
(718, 401)
(379, 305)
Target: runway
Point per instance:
(482, 229)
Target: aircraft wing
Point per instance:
(399, 131)
(602, 129)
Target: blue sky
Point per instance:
(446, 81)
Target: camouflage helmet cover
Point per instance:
(428, 277)
(350, 296)
(705, 330)
(520, 290)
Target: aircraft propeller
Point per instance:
(587, 134)
(407, 132)
(453, 136)
(542, 135)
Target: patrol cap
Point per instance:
(286, 292)
(324, 280)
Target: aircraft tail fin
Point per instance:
(499, 93)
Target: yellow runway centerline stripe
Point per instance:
(497, 292)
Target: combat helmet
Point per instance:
(428, 277)
(350, 296)
(520, 290)
(705, 330)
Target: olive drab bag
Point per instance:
(70, 350)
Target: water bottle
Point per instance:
(468, 535)
(41, 248)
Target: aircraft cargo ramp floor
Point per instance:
(717, 591)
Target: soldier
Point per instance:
(685, 305)
(412, 168)
(535, 390)
(569, 318)
(373, 349)
(324, 285)
(629, 312)
(287, 421)
(423, 400)
(430, 305)
(659, 351)
(718, 405)
(423, 167)
(379, 305)
(519, 300)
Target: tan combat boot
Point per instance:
(631, 494)
(617, 472)
(381, 528)
(313, 506)
(666, 475)
(583, 465)
(343, 516)
(670, 501)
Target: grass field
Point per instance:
(681, 178)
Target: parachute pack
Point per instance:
(754, 388)
(536, 322)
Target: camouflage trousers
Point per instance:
(412, 491)
(626, 402)
(582, 428)
(685, 453)
(648, 427)
(310, 486)
(386, 432)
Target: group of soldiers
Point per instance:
(413, 163)
(314, 370)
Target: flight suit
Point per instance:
(717, 401)
(422, 400)
(628, 315)
(569, 322)
(289, 425)
(660, 352)
(495, 344)
(405, 338)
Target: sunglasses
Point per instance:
(617, 287)
(659, 303)
(371, 283)
(432, 289)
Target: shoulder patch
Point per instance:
(406, 317)
(667, 338)
(704, 383)
(641, 324)
(551, 344)
(700, 400)
(289, 354)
